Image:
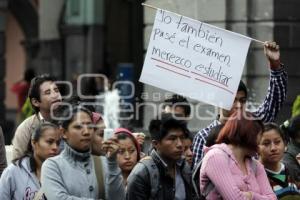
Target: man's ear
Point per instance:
(35, 102)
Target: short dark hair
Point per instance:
(273, 126)
(160, 127)
(34, 89)
(243, 87)
(213, 135)
(177, 100)
(241, 129)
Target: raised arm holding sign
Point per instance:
(267, 111)
(204, 62)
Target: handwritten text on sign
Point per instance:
(194, 59)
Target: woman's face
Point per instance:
(79, 132)
(127, 155)
(48, 144)
(98, 138)
(271, 147)
(188, 154)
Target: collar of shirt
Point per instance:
(179, 163)
(42, 119)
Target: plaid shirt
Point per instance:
(266, 112)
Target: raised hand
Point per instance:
(140, 137)
(272, 53)
(111, 147)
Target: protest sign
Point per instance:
(194, 59)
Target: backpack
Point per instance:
(154, 175)
(210, 186)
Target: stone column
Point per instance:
(286, 33)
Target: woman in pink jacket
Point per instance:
(228, 169)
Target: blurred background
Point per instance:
(67, 38)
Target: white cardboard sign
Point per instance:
(194, 59)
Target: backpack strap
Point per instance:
(195, 178)
(154, 175)
(100, 177)
(196, 182)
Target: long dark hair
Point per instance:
(36, 135)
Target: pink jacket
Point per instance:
(220, 167)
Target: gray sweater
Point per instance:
(19, 182)
(70, 175)
(66, 177)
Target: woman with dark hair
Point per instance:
(228, 170)
(123, 153)
(271, 150)
(71, 175)
(292, 155)
(128, 153)
(21, 179)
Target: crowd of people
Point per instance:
(64, 152)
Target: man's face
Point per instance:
(179, 110)
(171, 147)
(49, 96)
(239, 103)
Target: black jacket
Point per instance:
(139, 185)
(290, 160)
